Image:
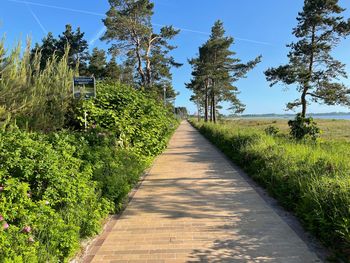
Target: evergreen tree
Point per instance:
(113, 70)
(215, 71)
(311, 65)
(47, 49)
(97, 65)
(130, 30)
(78, 48)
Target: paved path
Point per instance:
(194, 207)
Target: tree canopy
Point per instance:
(131, 33)
(311, 64)
(215, 70)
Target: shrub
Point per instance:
(47, 188)
(272, 130)
(55, 188)
(302, 127)
(35, 99)
(137, 120)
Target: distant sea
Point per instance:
(333, 117)
(316, 116)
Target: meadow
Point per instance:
(331, 129)
(310, 178)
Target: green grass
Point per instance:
(311, 179)
(331, 129)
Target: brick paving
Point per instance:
(195, 207)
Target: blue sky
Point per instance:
(259, 27)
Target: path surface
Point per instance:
(194, 207)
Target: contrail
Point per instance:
(97, 36)
(37, 20)
(208, 34)
(58, 7)
(103, 15)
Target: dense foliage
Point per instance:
(311, 179)
(137, 120)
(34, 98)
(55, 188)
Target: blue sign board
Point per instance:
(84, 87)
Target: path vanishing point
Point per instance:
(194, 206)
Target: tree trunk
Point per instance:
(139, 63)
(199, 111)
(148, 63)
(206, 102)
(307, 83)
(214, 108)
(303, 103)
(211, 109)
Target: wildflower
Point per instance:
(47, 202)
(2, 188)
(29, 194)
(5, 226)
(26, 229)
(1, 218)
(31, 239)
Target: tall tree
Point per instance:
(113, 70)
(47, 49)
(129, 28)
(98, 63)
(78, 47)
(216, 70)
(311, 65)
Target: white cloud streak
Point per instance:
(253, 41)
(97, 36)
(208, 34)
(36, 18)
(58, 7)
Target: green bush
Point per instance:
(35, 99)
(272, 130)
(313, 180)
(301, 128)
(137, 120)
(48, 189)
(56, 188)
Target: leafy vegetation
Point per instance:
(57, 185)
(311, 179)
(302, 127)
(34, 98)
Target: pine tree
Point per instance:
(98, 63)
(130, 30)
(311, 65)
(113, 70)
(47, 49)
(215, 71)
(78, 49)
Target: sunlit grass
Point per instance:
(331, 128)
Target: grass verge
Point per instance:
(310, 179)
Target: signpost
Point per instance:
(84, 88)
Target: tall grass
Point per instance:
(34, 98)
(311, 179)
